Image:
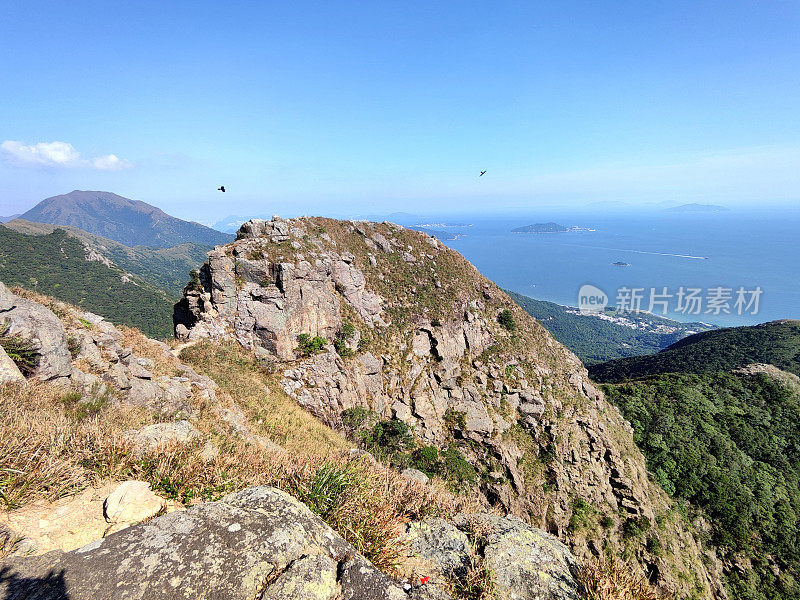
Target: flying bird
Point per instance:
(482, 172)
(221, 188)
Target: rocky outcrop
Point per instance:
(251, 295)
(41, 329)
(72, 522)
(83, 352)
(521, 561)
(151, 437)
(131, 502)
(517, 405)
(257, 543)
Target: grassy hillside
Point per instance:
(166, 268)
(130, 222)
(729, 445)
(56, 264)
(776, 343)
(597, 339)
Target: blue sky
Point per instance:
(374, 107)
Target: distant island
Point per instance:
(445, 224)
(694, 207)
(619, 263)
(550, 227)
(445, 236)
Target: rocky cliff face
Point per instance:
(419, 339)
(113, 541)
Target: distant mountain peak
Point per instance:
(129, 222)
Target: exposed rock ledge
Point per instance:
(261, 543)
(257, 543)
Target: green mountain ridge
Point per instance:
(166, 268)
(776, 343)
(60, 265)
(719, 424)
(728, 444)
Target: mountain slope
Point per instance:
(607, 336)
(776, 343)
(130, 222)
(60, 265)
(434, 367)
(165, 268)
(729, 444)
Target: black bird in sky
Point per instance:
(482, 172)
(221, 188)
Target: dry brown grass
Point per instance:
(8, 542)
(270, 411)
(615, 580)
(42, 440)
(49, 451)
(164, 363)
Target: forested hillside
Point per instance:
(776, 343)
(596, 339)
(166, 268)
(57, 264)
(729, 445)
(130, 222)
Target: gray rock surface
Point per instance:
(9, 372)
(41, 328)
(525, 561)
(150, 437)
(257, 543)
(415, 475)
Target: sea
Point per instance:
(726, 268)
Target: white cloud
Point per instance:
(110, 163)
(58, 154)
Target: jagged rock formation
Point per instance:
(102, 363)
(257, 543)
(431, 352)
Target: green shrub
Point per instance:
(327, 487)
(506, 320)
(340, 343)
(74, 345)
(582, 515)
(388, 438)
(194, 281)
(456, 469)
(455, 419)
(426, 459)
(308, 345)
(348, 330)
(635, 528)
(654, 546)
(19, 350)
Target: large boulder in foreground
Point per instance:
(257, 543)
(523, 562)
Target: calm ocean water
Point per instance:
(744, 249)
